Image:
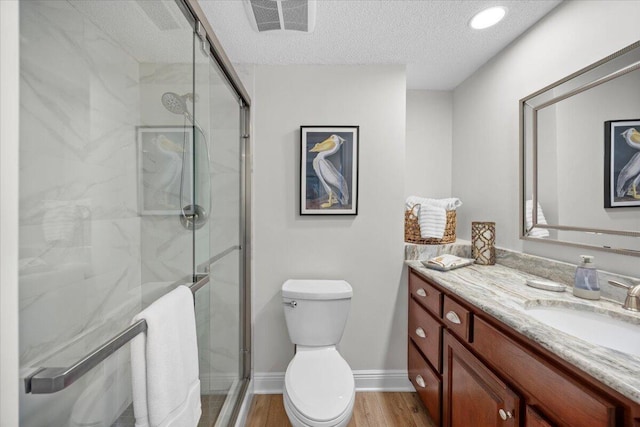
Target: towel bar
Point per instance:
(51, 380)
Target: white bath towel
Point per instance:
(448, 204)
(536, 232)
(432, 214)
(164, 363)
(432, 220)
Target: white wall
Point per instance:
(428, 150)
(485, 114)
(9, 130)
(367, 249)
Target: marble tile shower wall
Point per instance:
(79, 226)
(166, 246)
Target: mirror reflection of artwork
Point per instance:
(622, 163)
(162, 182)
(329, 170)
(564, 166)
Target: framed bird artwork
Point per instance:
(329, 170)
(622, 163)
(165, 166)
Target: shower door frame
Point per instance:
(226, 67)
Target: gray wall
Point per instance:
(367, 249)
(485, 106)
(428, 146)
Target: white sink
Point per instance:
(593, 327)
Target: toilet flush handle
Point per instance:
(292, 304)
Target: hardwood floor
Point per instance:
(371, 409)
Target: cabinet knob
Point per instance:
(421, 333)
(505, 415)
(453, 317)
(421, 292)
(421, 382)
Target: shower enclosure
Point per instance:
(133, 180)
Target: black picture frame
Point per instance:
(329, 170)
(622, 156)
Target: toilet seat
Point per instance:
(299, 420)
(319, 388)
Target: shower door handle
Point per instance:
(50, 380)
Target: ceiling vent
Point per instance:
(282, 15)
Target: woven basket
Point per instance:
(412, 229)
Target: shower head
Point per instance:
(175, 103)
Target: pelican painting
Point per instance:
(164, 165)
(329, 165)
(622, 163)
(629, 177)
(332, 181)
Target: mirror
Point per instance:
(580, 157)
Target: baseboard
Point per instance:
(366, 380)
(268, 382)
(389, 380)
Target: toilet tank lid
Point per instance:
(317, 289)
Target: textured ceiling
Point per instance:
(432, 38)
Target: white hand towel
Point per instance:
(536, 232)
(432, 220)
(413, 201)
(164, 362)
(449, 204)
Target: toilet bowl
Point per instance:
(319, 389)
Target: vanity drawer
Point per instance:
(426, 382)
(428, 296)
(457, 319)
(578, 405)
(426, 333)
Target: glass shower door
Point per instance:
(218, 112)
(131, 184)
(106, 149)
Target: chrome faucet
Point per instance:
(632, 303)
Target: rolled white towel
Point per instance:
(535, 232)
(412, 201)
(432, 214)
(448, 204)
(432, 220)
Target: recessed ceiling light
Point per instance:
(487, 18)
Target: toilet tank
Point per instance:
(316, 311)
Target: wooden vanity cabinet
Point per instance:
(488, 374)
(472, 393)
(534, 419)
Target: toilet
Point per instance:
(319, 390)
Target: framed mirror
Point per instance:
(580, 157)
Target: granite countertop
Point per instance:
(501, 292)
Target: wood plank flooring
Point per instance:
(371, 409)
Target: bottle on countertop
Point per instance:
(586, 283)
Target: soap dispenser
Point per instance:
(586, 280)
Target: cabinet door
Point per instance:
(473, 395)
(534, 419)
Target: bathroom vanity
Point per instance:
(477, 358)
